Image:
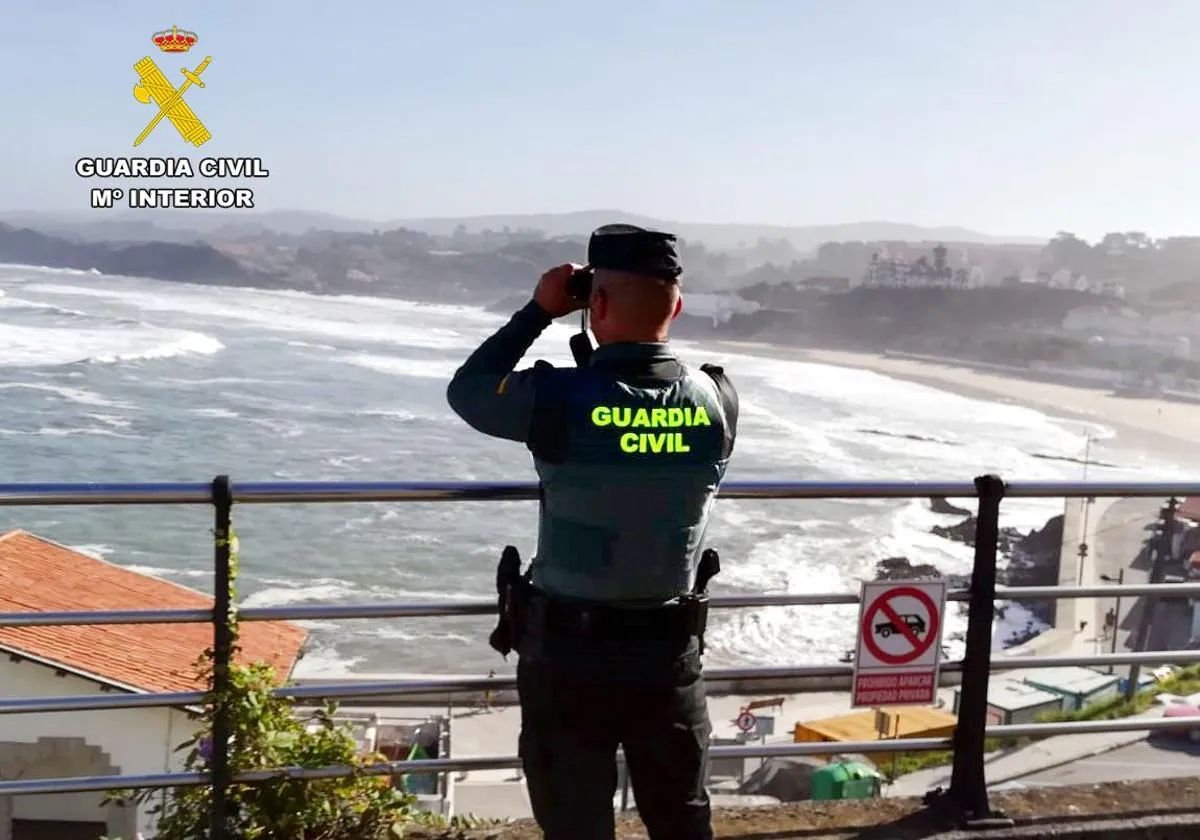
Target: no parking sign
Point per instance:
(899, 643)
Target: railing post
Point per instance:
(968, 786)
(223, 640)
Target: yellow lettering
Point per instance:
(642, 418)
(700, 418)
(629, 442)
(658, 417)
(680, 446)
(601, 415)
(620, 417)
(656, 442)
(674, 416)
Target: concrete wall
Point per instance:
(128, 741)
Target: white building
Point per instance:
(37, 575)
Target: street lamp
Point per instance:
(1120, 579)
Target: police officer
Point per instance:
(630, 449)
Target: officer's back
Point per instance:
(630, 448)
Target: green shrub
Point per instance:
(265, 733)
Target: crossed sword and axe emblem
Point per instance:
(154, 85)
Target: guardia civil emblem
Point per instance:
(153, 86)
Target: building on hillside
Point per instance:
(37, 575)
(1077, 686)
(887, 272)
(1010, 701)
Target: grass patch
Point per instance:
(911, 762)
(1184, 681)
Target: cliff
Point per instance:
(197, 263)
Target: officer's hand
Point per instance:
(551, 292)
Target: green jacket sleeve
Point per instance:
(487, 392)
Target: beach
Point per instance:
(1157, 424)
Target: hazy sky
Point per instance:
(1016, 117)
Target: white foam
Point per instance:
(398, 366)
(96, 550)
(220, 413)
(350, 318)
(77, 395)
(23, 346)
(323, 590)
(159, 571)
(325, 661)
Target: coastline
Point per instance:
(1161, 426)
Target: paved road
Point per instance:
(1159, 757)
(1120, 544)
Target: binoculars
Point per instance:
(579, 284)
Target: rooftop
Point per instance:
(1071, 680)
(37, 575)
(908, 721)
(1012, 696)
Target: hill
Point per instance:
(188, 225)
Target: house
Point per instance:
(1009, 701)
(1077, 686)
(37, 575)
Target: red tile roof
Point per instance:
(1190, 509)
(37, 575)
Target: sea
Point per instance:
(116, 379)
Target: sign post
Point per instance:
(899, 643)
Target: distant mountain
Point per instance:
(186, 226)
(712, 234)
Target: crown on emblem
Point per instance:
(175, 40)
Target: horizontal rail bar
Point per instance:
(97, 702)
(485, 762)
(487, 606)
(68, 619)
(1150, 657)
(431, 765)
(257, 492)
(341, 690)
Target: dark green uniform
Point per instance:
(630, 451)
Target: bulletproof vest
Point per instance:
(630, 456)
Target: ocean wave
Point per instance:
(398, 366)
(160, 572)
(96, 550)
(283, 312)
(219, 413)
(194, 343)
(76, 395)
(23, 346)
(278, 596)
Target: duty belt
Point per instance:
(608, 622)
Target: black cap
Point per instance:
(634, 249)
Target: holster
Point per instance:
(512, 590)
(709, 566)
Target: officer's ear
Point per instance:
(599, 304)
(678, 307)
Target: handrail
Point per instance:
(487, 606)
(78, 784)
(292, 492)
(967, 790)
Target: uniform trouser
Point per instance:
(572, 720)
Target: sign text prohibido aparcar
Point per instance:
(899, 643)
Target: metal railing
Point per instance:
(968, 789)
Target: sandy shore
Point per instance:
(1153, 423)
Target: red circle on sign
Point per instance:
(878, 604)
(746, 721)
